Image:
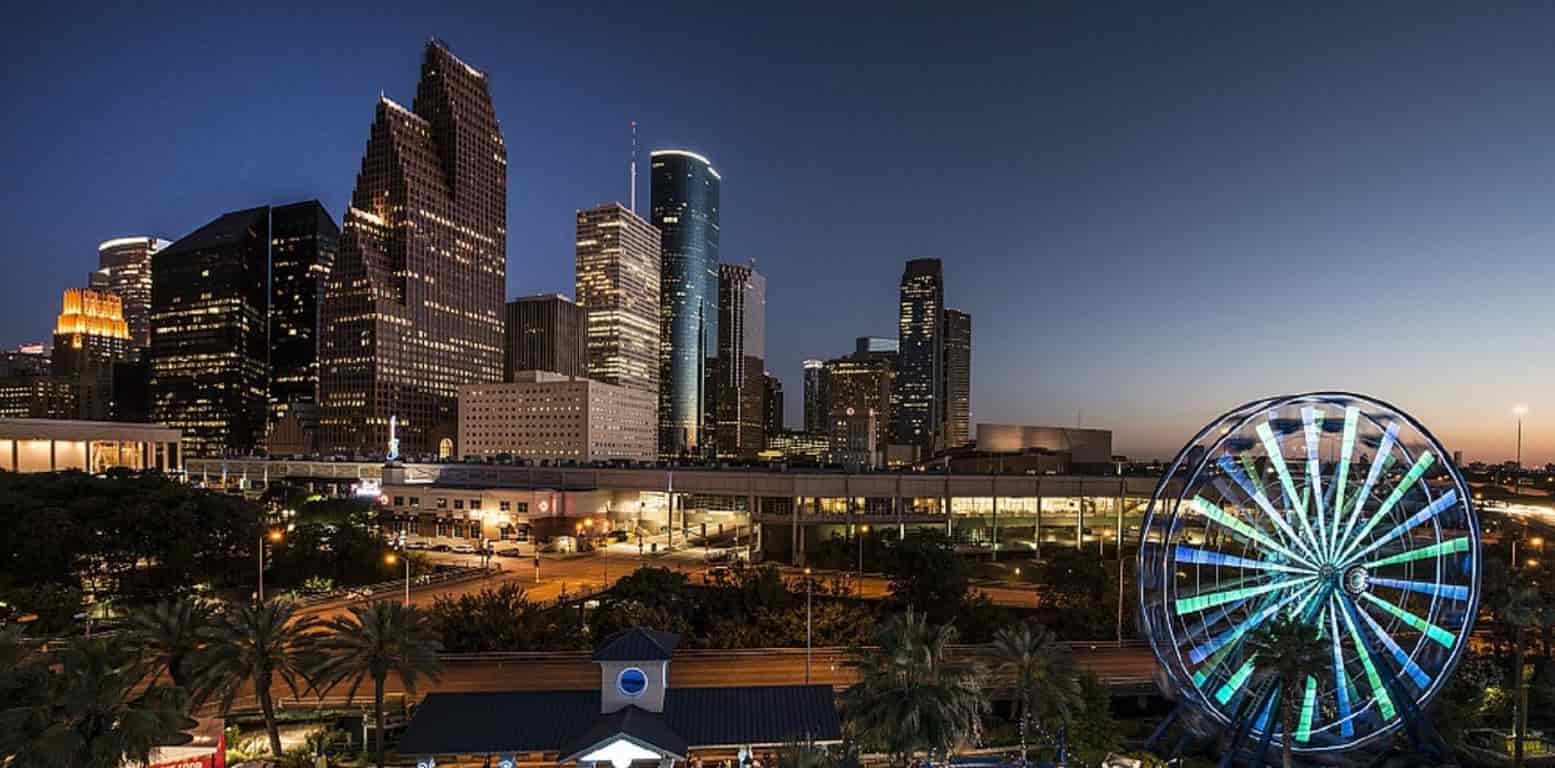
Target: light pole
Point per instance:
(390, 559)
(1517, 483)
(274, 536)
(863, 529)
(808, 635)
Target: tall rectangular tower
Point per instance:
(742, 349)
(815, 408)
(958, 378)
(544, 333)
(210, 334)
(618, 289)
(685, 209)
(917, 399)
(414, 306)
(127, 263)
(303, 242)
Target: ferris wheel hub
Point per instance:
(1356, 580)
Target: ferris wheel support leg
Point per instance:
(1160, 731)
(1247, 715)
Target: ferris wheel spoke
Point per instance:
(1421, 465)
(1378, 690)
(1238, 679)
(1451, 591)
(1187, 554)
(1215, 648)
(1451, 546)
(1296, 499)
(1308, 706)
(1341, 678)
(1378, 463)
(1342, 473)
(1255, 492)
(1312, 428)
(1200, 602)
(1209, 510)
(1441, 636)
(1442, 502)
(1422, 680)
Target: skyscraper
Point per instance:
(771, 405)
(414, 306)
(303, 242)
(685, 209)
(917, 400)
(90, 337)
(815, 416)
(858, 386)
(210, 334)
(544, 333)
(958, 378)
(128, 264)
(618, 289)
(739, 386)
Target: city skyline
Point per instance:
(1107, 308)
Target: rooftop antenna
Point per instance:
(633, 181)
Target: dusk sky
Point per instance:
(1153, 212)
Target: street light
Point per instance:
(863, 529)
(390, 559)
(808, 635)
(272, 536)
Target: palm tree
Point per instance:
(1291, 651)
(167, 635)
(1519, 607)
(255, 643)
(84, 707)
(373, 641)
(910, 696)
(1039, 668)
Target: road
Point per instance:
(592, 572)
(1129, 667)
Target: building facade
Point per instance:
(303, 243)
(90, 337)
(739, 380)
(210, 334)
(958, 378)
(414, 306)
(857, 387)
(815, 396)
(917, 402)
(685, 197)
(771, 405)
(38, 396)
(544, 333)
(544, 415)
(618, 289)
(126, 262)
(39, 445)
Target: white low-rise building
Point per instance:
(543, 415)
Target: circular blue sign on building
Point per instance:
(631, 682)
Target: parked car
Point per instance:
(509, 552)
(619, 536)
(415, 545)
(464, 549)
(562, 544)
(442, 548)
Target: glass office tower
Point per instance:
(685, 210)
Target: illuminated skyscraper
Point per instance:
(815, 416)
(618, 289)
(544, 333)
(210, 334)
(771, 405)
(917, 400)
(128, 264)
(738, 383)
(685, 209)
(414, 306)
(858, 386)
(958, 378)
(89, 338)
(303, 241)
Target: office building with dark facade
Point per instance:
(544, 333)
(210, 334)
(414, 306)
(917, 400)
(815, 396)
(618, 288)
(125, 264)
(739, 381)
(859, 387)
(303, 242)
(771, 404)
(685, 210)
(958, 378)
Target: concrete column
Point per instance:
(793, 553)
(950, 528)
(994, 489)
(1079, 519)
(52, 467)
(1038, 534)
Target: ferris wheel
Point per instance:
(1332, 509)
